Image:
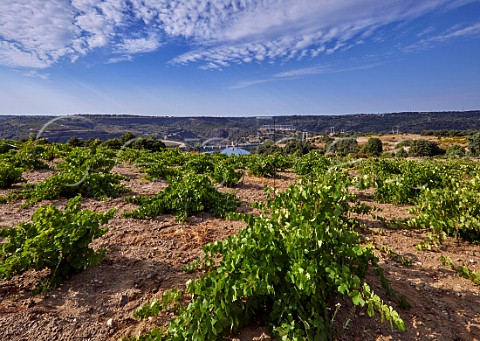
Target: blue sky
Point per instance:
(238, 57)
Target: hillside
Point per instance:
(60, 129)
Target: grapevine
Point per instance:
(54, 240)
(310, 254)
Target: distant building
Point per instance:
(234, 151)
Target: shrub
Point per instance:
(455, 151)
(312, 163)
(83, 172)
(451, 211)
(54, 240)
(226, 172)
(262, 165)
(373, 147)
(9, 174)
(288, 266)
(343, 146)
(424, 148)
(298, 148)
(401, 153)
(474, 144)
(268, 147)
(148, 143)
(184, 196)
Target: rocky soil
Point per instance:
(145, 257)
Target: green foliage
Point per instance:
(455, 151)
(54, 240)
(75, 142)
(404, 143)
(112, 144)
(424, 148)
(462, 270)
(200, 163)
(450, 211)
(402, 181)
(401, 153)
(193, 266)
(159, 171)
(226, 173)
(148, 143)
(70, 184)
(313, 163)
(155, 306)
(91, 142)
(6, 146)
(298, 148)
(395, 256)
(166, 157)
(446, 133)
(325, 139)
(373, 147)
(126, 137)
(29, 156)
(96, 160)
(83, 171)
(343, 146)
(184, 196)
(310, 254)
(131, 156)
(474, 144)
(170, 163)
(267, 148)
(9, 174)
(264, 165)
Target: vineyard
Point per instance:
(156, 244)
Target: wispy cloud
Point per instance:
(426, 31)
(138, 45)
(39, 34)
(303, 72)
(119, 59)
(36, 74)
(322, 69)
(249, 83)
(298, 29)
(453, 33)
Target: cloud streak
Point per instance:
(220, 33)
(455, 32)
(304, 72)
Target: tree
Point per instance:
(373, 147)
(126, 137)
(424, 148)
(75, 142)
(298, 147)
(148, 143)
(112, 144)
(267, 148)
(455, 151)
(343, 146)
(91, 142)
(474, 144)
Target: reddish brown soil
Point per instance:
(145, 257)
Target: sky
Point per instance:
(238, 57)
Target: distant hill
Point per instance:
(60, 129)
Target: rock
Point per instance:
(110, 322)
(123, 300)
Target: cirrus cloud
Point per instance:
(219, 33)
